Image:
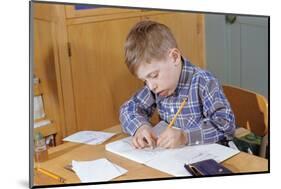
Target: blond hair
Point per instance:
(147, 40)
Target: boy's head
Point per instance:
(152, 55)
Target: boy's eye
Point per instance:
(154, 75)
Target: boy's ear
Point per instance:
(175, 55)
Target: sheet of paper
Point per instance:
(97, 170)
(42, 123)
(170, 161)
(89, 137)
(38, 108)
(169, 164)
(124, 147)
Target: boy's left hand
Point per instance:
(172, 138)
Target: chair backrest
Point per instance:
(250, 109)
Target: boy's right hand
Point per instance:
(144, 137)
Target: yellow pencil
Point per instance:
(50, 174)
(178, 112)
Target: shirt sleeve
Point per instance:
(137, 111)
(218, 120)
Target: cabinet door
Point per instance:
(101, 80)
(188, 29)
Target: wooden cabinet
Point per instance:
(91, 78)
(101, 81)
(188, 29)
(44, 68)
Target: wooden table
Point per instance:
(63, 154)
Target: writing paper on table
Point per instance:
(89, 137)
(170, 161)
(97, 170)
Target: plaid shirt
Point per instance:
(206, 117)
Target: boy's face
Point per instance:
(162, 76)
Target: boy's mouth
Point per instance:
(163, 93)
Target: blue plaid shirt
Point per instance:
(206, 117)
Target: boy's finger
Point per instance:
(154, 137)
(135, 143)
(164, 143)
(159, 141)
(161, 137)
(150, 139)
(141, 142)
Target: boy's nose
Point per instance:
(153, 87)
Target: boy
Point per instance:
(152, 55)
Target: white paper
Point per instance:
(35, 80)
(89, 137)
(170, 161)
(170, 165)
(97, 170)
(42, 123)
(38, 108)
(125, 148)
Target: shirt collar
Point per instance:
(185, 76)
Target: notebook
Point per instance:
(170, 161)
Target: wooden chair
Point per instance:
(251, 112)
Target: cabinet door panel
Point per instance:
(188, 29)
(101, 80)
